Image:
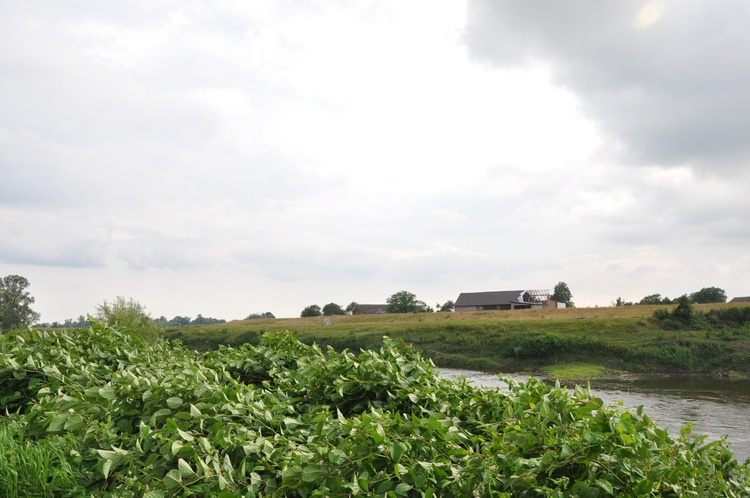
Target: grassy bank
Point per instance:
(612, 339)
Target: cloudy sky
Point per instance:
(228, 157)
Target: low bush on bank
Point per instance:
(122, 417)
(684, 317)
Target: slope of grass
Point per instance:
(621, 338)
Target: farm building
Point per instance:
(740, 300)
(372, 309)
(504, 300)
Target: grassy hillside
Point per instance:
(612, 339)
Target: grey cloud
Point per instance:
(46, 239)
(676, 92)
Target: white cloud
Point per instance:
(228, 157)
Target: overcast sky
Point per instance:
(228, 157)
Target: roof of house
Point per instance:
(740, 300)
(489, 298)
(372, 309)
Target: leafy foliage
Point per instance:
(447, 306)
(333, 309)
(186, 320)
(709, 295)
(312, 310)
(15, 303)
(562, 294)
(682, 316)
(259, 316)
(353, 308)
(655, 299)
(406, 302)
(130, 314)
(284, 419)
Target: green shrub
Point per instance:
(285, 419)
(129, 314)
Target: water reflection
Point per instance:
(717, 407)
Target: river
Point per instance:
(718, 407)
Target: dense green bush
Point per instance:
(284, 419)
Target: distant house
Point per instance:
(740, 300)
(503, 300)
(372, 309)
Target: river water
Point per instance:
(718, 407)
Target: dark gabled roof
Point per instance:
(373, 309)
(489, 298)
(740, 300)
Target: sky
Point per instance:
(227, 157)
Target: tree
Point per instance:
(258, 316)
(684, 311)
(447, 306)
(709, 295)
(312, 310)
(621, 302)
(562, 295)
(130, 314)
(180, 320)
(406, 302)
(353, 308)
(655, 299)
(15, 301)
(333, 309)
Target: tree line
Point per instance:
(704, 296)
(400, 302)
(407, 302)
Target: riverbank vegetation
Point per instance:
(626, 338)
(105, 413)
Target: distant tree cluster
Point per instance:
(329, 309)
(400, 302)
(703, 296)
(186, 320)
(709, 295)
(69, 323)
(406, 302)
(259, 316)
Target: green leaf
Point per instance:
(176, 447)
(73, 423)
(195, 412)
(311, 473)
(606, 486)
(57, 423)
(397, 449)
(336, 456)
(184, 435)
(402, 489)
(106, 467)
(364, 485)
(172, 480)
(383, 487)
(184, 468)
(107, 392)
(174, 402)
(291, 423)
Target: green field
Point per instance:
(610, 340)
